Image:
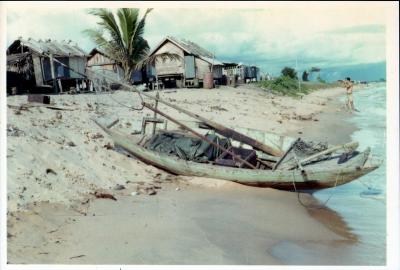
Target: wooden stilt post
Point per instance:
(155, 112)
(53, 73)
(59, 85)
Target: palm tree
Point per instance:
(121, 38)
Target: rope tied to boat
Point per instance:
(323, 205)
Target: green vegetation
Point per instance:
(121, 36)
(287, 86)
(289, 72)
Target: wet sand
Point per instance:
(53, 218)
(224, 223)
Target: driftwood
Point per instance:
(113, 123)
(235, 157)
(104, 196)
(31, 105)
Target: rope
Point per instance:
(318, 206)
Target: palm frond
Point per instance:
(138, 30)
(125, 43)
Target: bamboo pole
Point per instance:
(235, 157)
(155, 114)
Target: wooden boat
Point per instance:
(318, 175)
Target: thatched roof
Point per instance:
(57, 48)
(20, 63)
(190, 48)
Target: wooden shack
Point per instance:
(102, 64)
(35, 66)
(242, 73)
(99, 61)
(186, 71)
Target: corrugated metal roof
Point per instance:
(214, 61)
(191, 48)
(58, 48)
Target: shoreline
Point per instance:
(289, 117)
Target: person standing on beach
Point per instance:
(349, 90)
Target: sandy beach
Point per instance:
(57, 159)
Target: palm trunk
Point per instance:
(127, 74)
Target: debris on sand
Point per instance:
(104, 196)
(119, 187)
(50, 171)
(218, 108)
(108, 146)
(96, 136)
(14, 131)
(58, 115)
(79, 256)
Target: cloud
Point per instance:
(371, 28)
(53, 23)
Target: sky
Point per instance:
(269, 36)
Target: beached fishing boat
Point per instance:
(333, 166)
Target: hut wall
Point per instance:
(59, 70)
(111, 67)
(99, 59)
(136, 76)
(37, 68)
(112, 70)
(78, 64)
(241, 72)
(202, 67)
(170, 66)
(217, 72)
(231, 71)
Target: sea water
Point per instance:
(361, 203)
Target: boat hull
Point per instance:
(279, 179)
